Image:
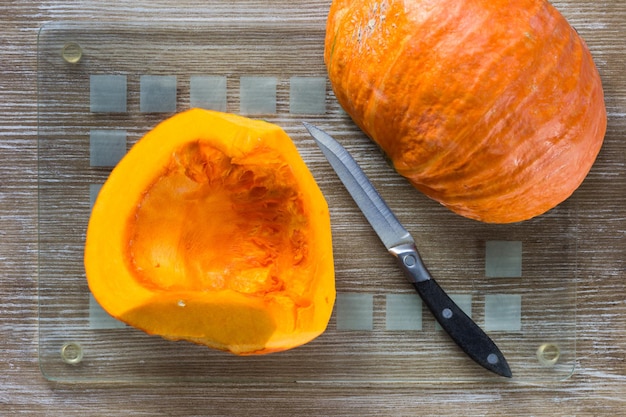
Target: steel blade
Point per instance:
(381, 218)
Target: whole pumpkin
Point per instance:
(494, 108)
(212, 229)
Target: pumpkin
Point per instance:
(493, 108)
(211, 229)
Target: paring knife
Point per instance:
(399, 242)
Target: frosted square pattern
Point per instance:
(503, 312)
(158, 93)
(94, 190)
(355, 311)
(307, 95)
(208, 92)
(99, 319)
(503, 259)
(135, 75)
(258, 95)
(106, 147)
(403, 312)
(107, 93)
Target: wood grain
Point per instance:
(597, 388)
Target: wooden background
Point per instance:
(598, 387)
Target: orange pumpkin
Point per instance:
(493, 108)
(212, 229)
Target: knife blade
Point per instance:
(399, 242)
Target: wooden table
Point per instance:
(597, 388)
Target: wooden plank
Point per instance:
(598, 387)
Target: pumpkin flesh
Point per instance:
(223, 237)
(493, 108)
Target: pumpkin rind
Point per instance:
(212, 229)
(493, 108)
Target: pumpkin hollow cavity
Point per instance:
(211, 222)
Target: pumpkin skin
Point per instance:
(493, 108)
(212, 229)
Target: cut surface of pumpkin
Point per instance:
(212, 230)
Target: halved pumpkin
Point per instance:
(212, 229)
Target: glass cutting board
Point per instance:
(102, 86)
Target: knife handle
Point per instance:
(462, 329)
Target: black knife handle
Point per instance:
(462, 329)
